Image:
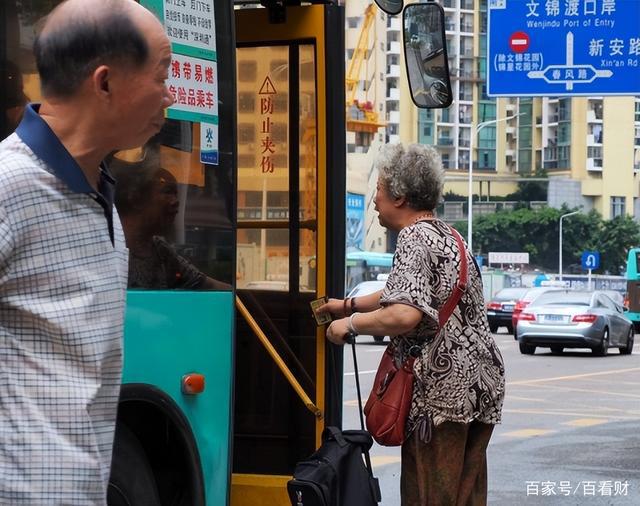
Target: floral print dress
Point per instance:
(459, 370)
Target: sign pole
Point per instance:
(589, 280)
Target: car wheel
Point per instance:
(626, 350)
(603, 348)
(493, 328)
(527, 349)
(557, 350)
(131, 481)
(378, 339)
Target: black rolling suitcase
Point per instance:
(339, 473)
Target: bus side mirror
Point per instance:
(391, 7)
(425, 52)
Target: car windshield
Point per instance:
(564, 299)
(366, 288)
(510, 293)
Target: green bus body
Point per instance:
(172, 333)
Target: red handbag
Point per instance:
(389, 402)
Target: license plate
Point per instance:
(555, 318)
(507, 307)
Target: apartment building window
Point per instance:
(564, 157)
(524, 160)
(617, 206)
(564, 133)
(352, 22)
(564, 110)
(482, 68)
(246, 101)
(487, 137)
(524, 137)
(638, 111)
(247, 71)
(486, 111)
(487, 159)
(598, 108)
(526, 111)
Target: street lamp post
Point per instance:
(560, 243)
(474, 131)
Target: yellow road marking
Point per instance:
(528, 433)
(517, 398)
(567, 413)
(591, 391)
(585, 422)
(608, 381)
(384, 460)
(575, 376)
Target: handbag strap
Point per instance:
(367, 457)
(460, 286)
(352, 340)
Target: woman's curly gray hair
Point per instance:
(413, 172)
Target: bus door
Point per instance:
(290, 247)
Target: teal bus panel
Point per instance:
(171, 333)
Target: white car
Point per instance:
(365, 288)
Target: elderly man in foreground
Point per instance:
(63, 260)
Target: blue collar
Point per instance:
(36, 134)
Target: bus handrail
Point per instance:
(277, 359)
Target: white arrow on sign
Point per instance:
(591, 261)
(541, 74)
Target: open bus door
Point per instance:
(290, 194)
(220, 375)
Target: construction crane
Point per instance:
(361, 116)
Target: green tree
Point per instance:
(537, 232)
(615, 239)
(530, 190)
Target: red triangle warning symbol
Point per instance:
(267, 87)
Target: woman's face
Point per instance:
(384, 204)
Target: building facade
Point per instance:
(588, 147)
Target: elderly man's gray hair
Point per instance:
(413, 172)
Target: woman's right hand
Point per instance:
(333, 306)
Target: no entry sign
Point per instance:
(519, 42)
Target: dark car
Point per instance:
(500, 308)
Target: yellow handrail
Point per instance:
(277, 359)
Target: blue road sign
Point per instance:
(563, 47)
(590, 260)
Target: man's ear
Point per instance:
(101, 82)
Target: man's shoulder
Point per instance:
(18, 165)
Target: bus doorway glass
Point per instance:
(285, 255)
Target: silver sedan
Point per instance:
(575, 319)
